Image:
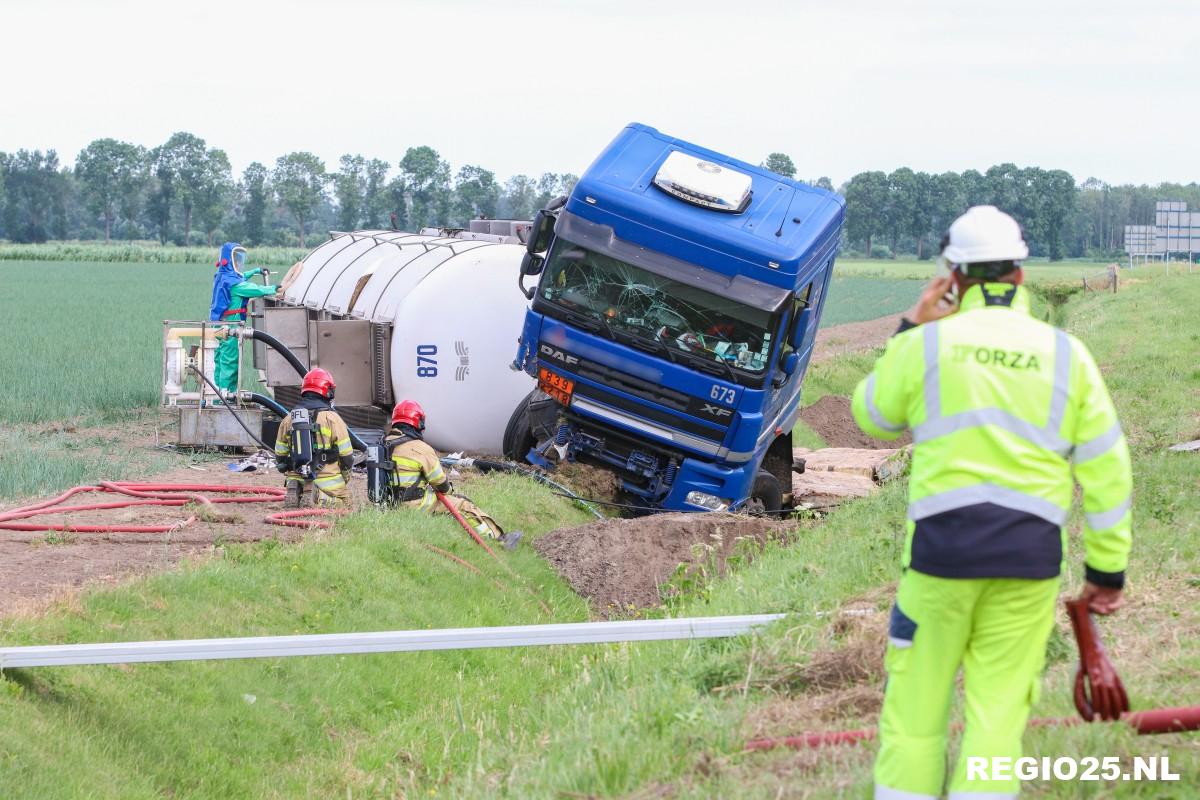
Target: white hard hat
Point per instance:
(983, 234)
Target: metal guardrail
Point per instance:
(326, 644)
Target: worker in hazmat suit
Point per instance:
(313, 448)
(232, 291)
(1007, 413)
(417, 476)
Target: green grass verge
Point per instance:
(596, 721)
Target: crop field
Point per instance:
(641, 720)
(81, 355)
(141, 252)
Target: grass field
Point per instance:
(648, 720)
(82, 350)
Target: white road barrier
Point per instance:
(326, 644)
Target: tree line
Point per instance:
(907, 212)
(185, 192)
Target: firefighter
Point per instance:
(1004, 410)
(312, 447)
(232, 291)
(416, 474)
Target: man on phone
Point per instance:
(1007, 413)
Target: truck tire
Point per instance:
(518, 434)
(766, 498)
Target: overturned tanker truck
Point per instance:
(678, 296)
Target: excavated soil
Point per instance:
(588, 481)
(831, 419)
(622, 564)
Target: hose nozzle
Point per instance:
(1098, 689)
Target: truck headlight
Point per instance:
(709, 501)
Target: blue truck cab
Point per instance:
(673, 320)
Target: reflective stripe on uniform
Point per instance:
(334, 481)
(986, 493)
(1047, 436)
(1102, 520)
(876, 415)
(996, 417)
(1097, 447)
(888, 793)
(1062, 381)
(933, 380)
(343, 446)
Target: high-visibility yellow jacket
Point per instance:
(1004, 409)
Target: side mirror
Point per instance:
(532, 264)
(541, 233)
(791, 362)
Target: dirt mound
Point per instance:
(619, 564)
(831, 419)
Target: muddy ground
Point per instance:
(39, 568)
(621, 565)
(831, 419)
(853, 337)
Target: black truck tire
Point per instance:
(766, 497)
(518, 434)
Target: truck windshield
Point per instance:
(666, 313)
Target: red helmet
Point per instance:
(409, 412)
(318, 381)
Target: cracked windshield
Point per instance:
(632, 301)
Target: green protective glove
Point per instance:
(251, 273)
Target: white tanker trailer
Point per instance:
(431, 316)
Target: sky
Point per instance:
(1104, 89)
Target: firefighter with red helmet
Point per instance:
(416, 476)
(312, 447)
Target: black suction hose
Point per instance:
(301, 370)
(266, 402)
(484, 465)
(278, 347)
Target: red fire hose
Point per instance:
(454, 512)
(144, 494)
(1098, 688)
(1098, 692)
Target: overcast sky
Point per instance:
(1101, 89)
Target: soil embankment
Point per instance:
(624, 564)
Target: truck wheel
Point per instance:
(518, 435)
(766, 498)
